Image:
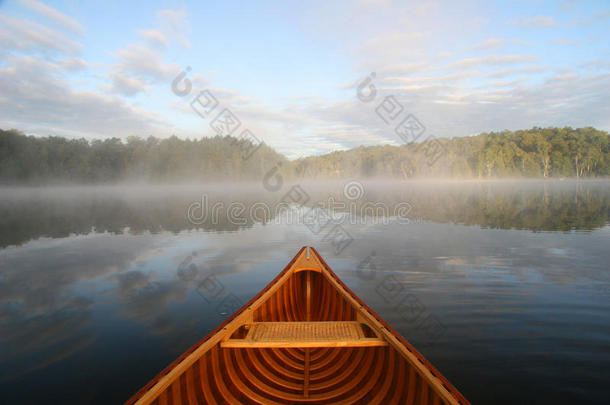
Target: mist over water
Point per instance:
(31, 213)
(510, 278)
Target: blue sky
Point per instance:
(288, 70)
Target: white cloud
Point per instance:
(36, 97)
(536, 22)
(446, 110)
(73, 64)
(445, 54)
(393, 46)
(597, 18)
(564, 41)
(518, 71)
(57, 17)
(28, 36)
(597, 64)
(494, 60)
(140, 65)
(230, 97)
(490, 43)
(155, 38)
(443, 79)
(125, 85)
(404, 68)
(174, 23)
(143, 62)
(394, 38)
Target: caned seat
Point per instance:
(304, 334)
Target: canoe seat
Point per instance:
(304, 334)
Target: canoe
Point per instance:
(306, 338)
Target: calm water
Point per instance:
(508, 284)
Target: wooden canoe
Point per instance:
(305, 338)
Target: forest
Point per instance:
(534, 153)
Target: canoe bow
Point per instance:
(305, 338)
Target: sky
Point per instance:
(293, 72)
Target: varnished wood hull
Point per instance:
(326, 366)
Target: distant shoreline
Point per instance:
(537, 153)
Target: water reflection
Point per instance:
(31, 342)
(549, 206)
(113, 279)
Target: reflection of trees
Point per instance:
(546, 206)
(530, 205)
(554, 207)
(35, 216)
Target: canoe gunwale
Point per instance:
(436, 380)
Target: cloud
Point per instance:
(73, 64)
(564, 41)
(37, 97)
(596, 18)
(597, 63)
(563, 99)
(57, 17)
(395, 38)
(323, 126)
(441, 79)
(140, 65)
(535, 22)
(489, 44)
(125, 85)
(394, 46)
(38, 87)
(518, 71)
(493, 60)
(375, 3)
(174, 23)
(404, 68)
(155, 38)
(445, 54)
(228, 97)
(146, 63)
(27, 36)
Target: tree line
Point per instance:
(536, 152)
(43, 159)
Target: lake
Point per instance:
(509, 282)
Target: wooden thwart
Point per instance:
(304, 334)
